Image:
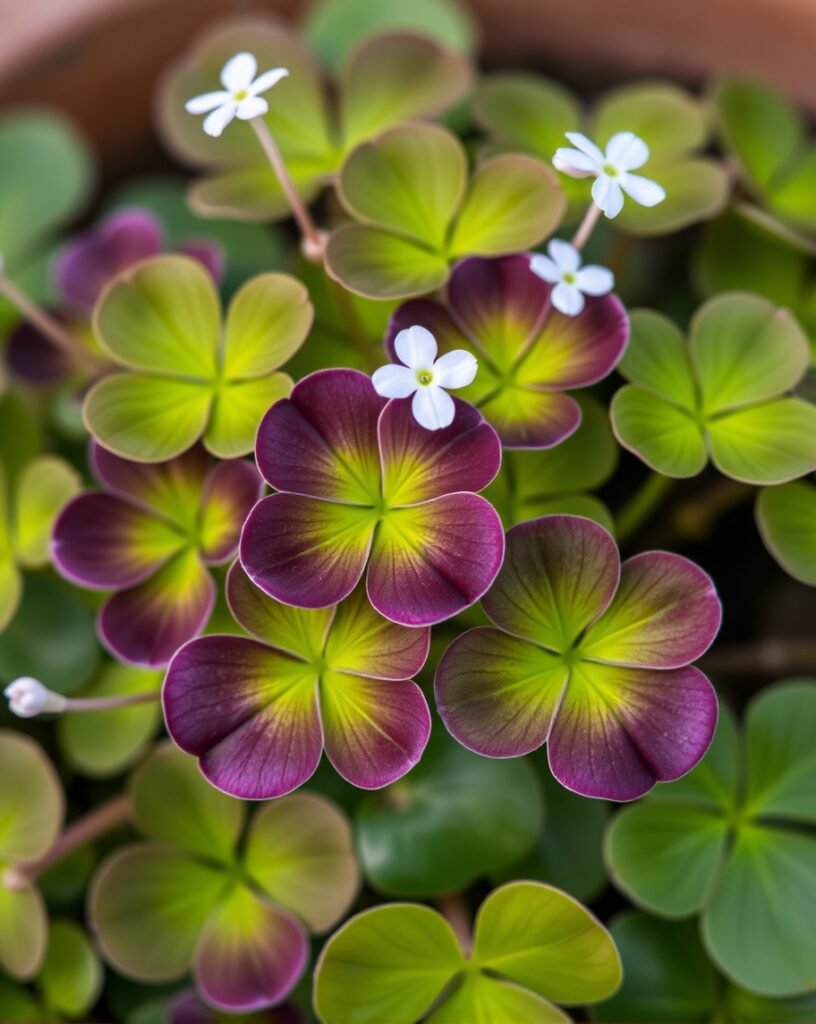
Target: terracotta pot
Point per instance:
(98, 60)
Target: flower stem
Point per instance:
(643, 503)
(108, 816)
(454, 909)
(314, 241)
(108, 703)
(47, 325)
(587, 226)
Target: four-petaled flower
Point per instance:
(150, 537)
(363, 489)
(563, 269)
(588, 656)
(240, 97)
(425, 377)
(625, 152)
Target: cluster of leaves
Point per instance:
(282, 563)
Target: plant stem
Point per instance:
(314, 242)
(108, 816)
(643, 503)
(587, 226)
(47, 325)
(694, 519)
(108, 703)
(455, 911)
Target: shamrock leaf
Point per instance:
(338, 677)
(363, 489)
(31, 811)
(528, 113)
(184, 376)
(457, 818)
(533, 946)
(787, 521)
(727, 842)
(206, 893)
(389, 79)
(417, 211)
(149, 536)
(589, 656)
(669, 979)
(529, 354)
(722, 395)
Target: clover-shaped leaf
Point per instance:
(457, 818)
(338, 677)
(589, 656)
(418, 212)
(787, 520)
(531, 114)
(529, 354)
(723, 395)
(669, 979)
(726, 842)
(364, 489)
(195, 897)
(150, 536)
(533, 946)
(185, 376)
(31, 810)
(388, 79)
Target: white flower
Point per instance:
(28, 698)
(240, 96)
(572, 281)
(625, 152)
(425, 377)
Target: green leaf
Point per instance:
(71, 975)
(377, 265)
(657, 359)
(23, 931)
(666, 437)
(512, 203)
(759, 926)
(668, 119)
(456, 818)
(387, 964)
(482, 998)
(253, 195)
(174, 803)
(31, 800)
(238, 409)
(695, 190)
(781, 754)
(547, 942)
(106, 742)
(786, 517)
(667, 976)
(266, 323)
(334, 28)
(765, 444)
(17, 1006)
(45, 485)
(745, 350)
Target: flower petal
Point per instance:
(217, 121)
(627, 151)
(430, 314)
(239, 72)
(432, 560)
(265, 739)
(394, 381)
(566, 256)
(375, 731)
(585, 145)
(322, 440)
(545, 268)
(416, 347)
(267, 79)
(252, 106)
(529, 418)
(574, 163)
(642, 190)
(607, 195)
(455, 369)
(664, 615)
(251, 953)
(595, 280)
(207, 101)
(306, 552)
(231, 490)
(432, 407)
(567, 299)
(619, 730)
(498, 694)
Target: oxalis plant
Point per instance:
(371, 501)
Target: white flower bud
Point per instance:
(28, 698)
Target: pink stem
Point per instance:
(455, 911)
(108, 703)
(587, 226)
